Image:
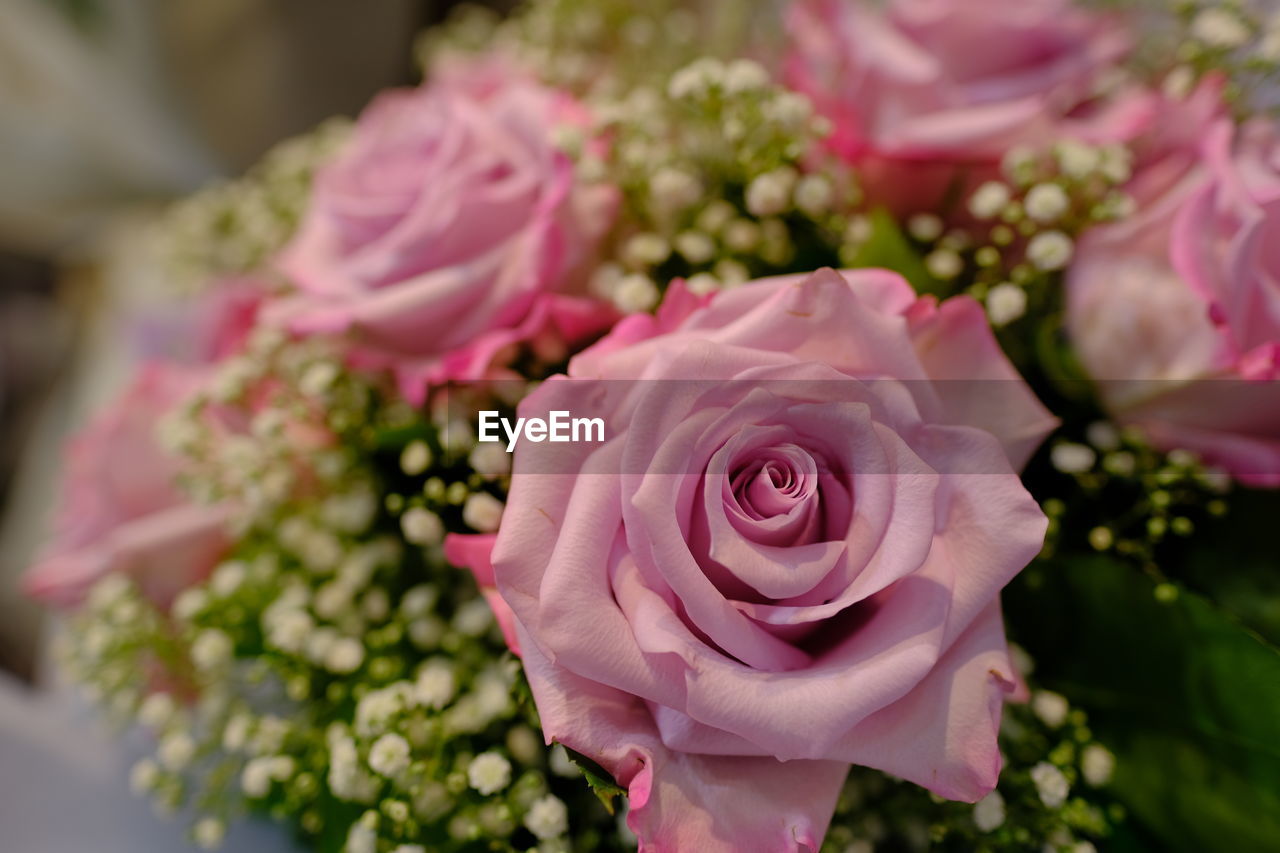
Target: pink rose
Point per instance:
(785, 557)
(121, 511)
(917, 88)
(1176, 312)
(449, 229)
(202, 330)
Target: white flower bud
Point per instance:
(695, 247)
(715, 216)
(745, 75)
(415, 458)
(235, 735)
(1103, 435)
(990, 200)
(473, 618)
(944, 264)
(1071, 458)
(789, 109)
(635, 294)
(482, 512)
(352, 512)
(770, 193)
(361, 839)
(1051, 250)
(742, 235)
(189, 603)
(1046, 202)
(700, 284)
(547, 818)
(489, 773)
(490, 460)
(1051, 785)
(435, 685)
(287, 628)
(674, 189)
(345, 656)
(211, 649)
(1220, 28)
(1006, 302)
(176, 751)
(389, 756)
(1052, 708)
(157, 710)
(814, 194)
(1097, 764)
(227, 578)
(209, 833)
(255, 779)
(318, 378)
(1077, 159)
(143, 777)
(731, 273)
(989, 812)
(422, 526)
(925, 227)
(646, 249)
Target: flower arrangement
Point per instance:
(896, 330)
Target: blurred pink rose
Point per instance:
(917, 88)
(202, 330)
(785, 557)
(121, 510)
(1176, 312)
(450, 228)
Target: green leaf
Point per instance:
(1224, 562)
(1187, 698)
(597, 778)
(889, 248)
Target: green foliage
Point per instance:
(888, 247)
(598, 779)
(1182, 693)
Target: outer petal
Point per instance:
(682, 802)
(974, 380)
(942, 735)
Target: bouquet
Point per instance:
(822, 425)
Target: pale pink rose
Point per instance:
(1175, 313)
(121, 510)
(917, 89)
(449, 229)
(785, 557)
(205, 329)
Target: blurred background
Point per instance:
(109, 111)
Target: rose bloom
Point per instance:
(121, 510)
(449, 229)
(205, 330)
(785, 557)
(1176, 311)
(917, 88)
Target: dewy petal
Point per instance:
(681, 802)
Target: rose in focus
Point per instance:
(786, 557)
